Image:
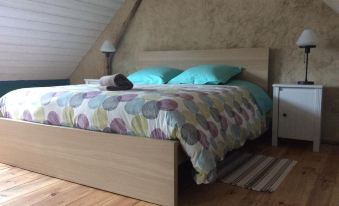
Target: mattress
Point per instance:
(207, 120)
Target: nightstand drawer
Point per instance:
(298, 110)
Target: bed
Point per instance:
(143, 168)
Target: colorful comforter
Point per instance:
(208, 121)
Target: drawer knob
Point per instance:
(284, 115)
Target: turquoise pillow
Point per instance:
(153, 75)
(262, 99)
(206, 74)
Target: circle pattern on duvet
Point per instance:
(76, 100)
(174, 118)
(170, 94)
(27, 116)
(53, 118)
(47, 98)
(237, 106)
(64, 99)
(68, 116)
(246, 103)
(82, 121)
(202, 121)
(134, 107)
(39, 115)
(140, 126)
(158, 134)
(203, 139)
(107, 130)
(215, 114)
(100, 119)
(206, 99)
(127, 97)
(118, 126)
(7, 115)
(111, 103)
(96, 101)
(190, 105)
(235, 130)
(190, 117)
(213, 129)
(245, 114)
(224, 123)
(150, 110)
(91, 94)
(186, 96)
(252, 109)
(218, 104)
(168, 105)
(206, 159)
(189, 133)
(203, 108)
(229, 110)
(238, 119)
(223, 133)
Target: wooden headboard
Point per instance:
(254, 61)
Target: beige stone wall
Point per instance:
(211, 24)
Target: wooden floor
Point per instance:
(314, 181)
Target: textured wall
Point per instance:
(210, 24)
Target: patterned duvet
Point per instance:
(208, 121)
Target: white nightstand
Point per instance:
(297, 113)
(91, 81)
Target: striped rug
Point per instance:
(256, 172)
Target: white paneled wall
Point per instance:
(46, 39)
(334, 4)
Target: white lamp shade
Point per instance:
(307, 38)
(107, 47)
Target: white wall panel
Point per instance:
(46, 39)
(13, 40)
(47, 18)
(15, 32)
(38, 26)
(40, 50)
(19, 56)
(334, 4)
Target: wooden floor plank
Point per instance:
(95, 197)
(325, 184)
(119, 200)
(25, 188)
(144, 204)
(65, 197)
(40, 194)
(11, 172)
(295, 188)
(3, 166)
(6, 184)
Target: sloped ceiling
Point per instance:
(46, 39)
(334, 4)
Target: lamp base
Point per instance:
(305, 82)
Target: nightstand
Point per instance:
(297, 113)
(92, 81)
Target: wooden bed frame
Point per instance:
(141, 168)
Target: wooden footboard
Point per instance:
(141, 168)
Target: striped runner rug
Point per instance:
(256, 172)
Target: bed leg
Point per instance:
(176, 179)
